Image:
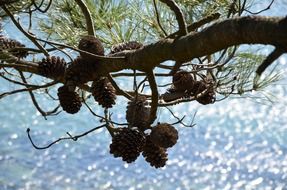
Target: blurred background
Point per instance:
(238, 143)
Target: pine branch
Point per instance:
(179, 16)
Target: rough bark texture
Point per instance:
(221, 35)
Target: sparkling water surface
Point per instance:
(236, 144)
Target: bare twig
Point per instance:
(33, 98)
(99, 57)
(21, 83)
(108, 125)
(258, 12)
(27, 34)
(27, 89)
(177, 118)
(38, 7)
(158, 18)
(118, 89)
(74, 138)
(101, 117)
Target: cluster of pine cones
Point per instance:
(128, 143)
(13, 47)
(82, 70)
(184, 83)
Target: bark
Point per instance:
(219, 36)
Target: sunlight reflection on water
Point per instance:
(236, 144)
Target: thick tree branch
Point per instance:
(219, 36)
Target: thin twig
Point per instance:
(101, 117)
(178, 119)
(28, 35)
(81, 51)
(118, 89)
(33, 98)
(109, 126)
(21, 83)
(41, 4)
(27, 89)
(158, 19)
(74, 138)
(258, 12)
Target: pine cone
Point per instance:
(128, 144)
(171, 94)
(125, 46)
(182, 81)
(138, 113)
(81, 71)
(104, 93)
(52, 67)
(209, 96)
(92, 45)
(154, 154)
(69, 100)
(164, 135)
(9, 45)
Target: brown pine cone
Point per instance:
(52, 67)
(81, 71)
(69, 100)
(125, 46)
(104, 93)
(164, 135)
(182, 81)
(172, 94)
(138, 113)
(10, 45)
(208, 97)
(155, 155)
(128, 144)
(92, 45)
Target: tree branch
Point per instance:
(220, 35)
(154, 97)
(74, 138)
(158, 18)
(28, 35)
(179, 16)
(196, 25)
(88, 17)
(269, 60)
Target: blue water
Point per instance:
(236, 144)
